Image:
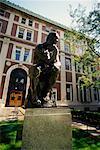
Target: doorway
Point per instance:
(17, 88)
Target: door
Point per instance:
(17, 88)
(15, 98)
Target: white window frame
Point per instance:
(68, 60)
(14, 52)
(28, 59)
(19, 32)
(68, 47)
(22, 49)
(28, 36)
(22, 20)
(29, 21)
(70, 91)
(3, 13)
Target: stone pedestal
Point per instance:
(47, 129)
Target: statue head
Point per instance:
(52, 38)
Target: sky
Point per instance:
(56, 10)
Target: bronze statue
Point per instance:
(43, 73)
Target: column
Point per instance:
(39, 33)
(10, 24)
(63, 77)
(74, 81)
(3, 55)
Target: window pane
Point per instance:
(17, 53)
(69, 92)
(23, 20)
(2, 12)
(30, 23)
(17, 56)
(21, 33)
(26, 55)
(29, 34)
(68, 64)
(66, 48)
(96, 94)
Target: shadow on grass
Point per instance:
(83, 140)
(11, 135)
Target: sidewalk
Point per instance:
(92, 130)
(17, 113)
(11, 113)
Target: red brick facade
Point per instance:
(9, 50)
(14, 28)
(35, 36)
(4, 26)
(2, 86)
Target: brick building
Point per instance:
(20, 31)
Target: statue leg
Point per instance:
(48, 79)
(32, 92)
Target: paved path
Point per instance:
(92, 130)
(11, 113)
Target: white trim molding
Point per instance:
(4, 97)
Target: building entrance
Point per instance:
(17, 88)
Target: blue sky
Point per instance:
(56, 10)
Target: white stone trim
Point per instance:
(3, 55)
(27, 21)
(63, 77)
(10, 24)
(61, 41)
(4, 97)
(25, 34)
(30, 56)
(39, 33)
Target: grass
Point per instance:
(83, 140)
(11, 137)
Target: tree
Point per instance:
(88, 27)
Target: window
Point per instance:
(17, 53)
(77, 90)
(29, 34)
(2, 12)
(30, 23)
(54, 94)
(36, 25)
(69, 95)
(68, 64)
(68, 77)
(0, 26)
(78, 67)
(26, 55)
(48, 29)
(66, 48)
(96, 94)
(21, 33)
(23, 20)
(79, 50)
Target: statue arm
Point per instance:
(54, 55)
(41, 55)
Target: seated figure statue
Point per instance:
(43, 73)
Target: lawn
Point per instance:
(83, 140)
(11, 137)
